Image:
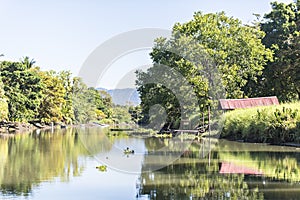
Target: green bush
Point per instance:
(106, 121)
(271, 124)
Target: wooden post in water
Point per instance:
(209, 135)
(52, 127)
(203, 122)
(209, 120)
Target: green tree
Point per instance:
(83, 102)
(136, 113)
(281, 77)
(120, 114)
(67, 107)
(51, 108)
(27, 62)
(100, 102)
(23, 88)
(208, 46)
(3, 103)
(29, 94)
(236, 49)
(104, 102)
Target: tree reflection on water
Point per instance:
(195, 176)
(230, 170)
(29, 159)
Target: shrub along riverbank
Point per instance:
(271, 124)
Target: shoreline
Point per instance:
(25, 127)
(286, 144)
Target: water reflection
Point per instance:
(206, 169)
(230, 171)
(29, 159)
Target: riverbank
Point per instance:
(12, 127)
(271, 124)
(8, 129)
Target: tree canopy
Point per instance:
(236, 49)
(29, 94)
(22, 86)
(211, 51)
(281, 77)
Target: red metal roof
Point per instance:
(231, 168)
(231, 104)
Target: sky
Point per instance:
(60, 35)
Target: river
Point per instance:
(61, 164)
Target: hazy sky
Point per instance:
(60, 34)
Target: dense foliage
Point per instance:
(273, 124)
(120, 114)
(215, 54)
(23, 88)
(28, 94)
(236, 49)
(3, 103)
(281, 77)
(255, 60)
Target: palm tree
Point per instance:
(27, 62)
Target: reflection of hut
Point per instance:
(232, 104)
(231, 168)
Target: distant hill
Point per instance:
(124, 96)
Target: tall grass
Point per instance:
(270, 124)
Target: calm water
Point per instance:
(62, 165)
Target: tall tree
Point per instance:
(29, 94)
(67, 107)
(281, 77)
(236, 49)
(23, 88)
(106, 103)
(212, 43)
(51, 107)
(27, 62)
(102, 102)
(84, 105)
